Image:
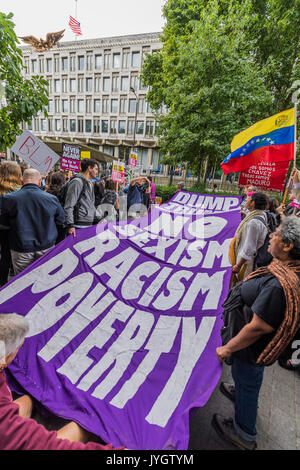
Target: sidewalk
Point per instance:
(278, 421)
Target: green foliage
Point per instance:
(165, 192)
(24, 98)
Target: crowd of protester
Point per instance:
(39, 211)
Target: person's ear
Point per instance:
(287, 247)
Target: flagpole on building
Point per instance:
(76, 17)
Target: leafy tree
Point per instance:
(23, 98)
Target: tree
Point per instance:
(23, 98)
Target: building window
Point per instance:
(80, 85)
(105, 105)
(50, 89)
(26, 65)
(88, 125)
(65, 106)
(80, 106)
(57, 125)
(149, 110)
(104, 126)
(122, 127)
(88, 105)
(50, 106)
(106, 61)
(64, 85)
(136, 59)
(106, 84)
(96, 126)
(116, 61)
(72, 105)
(56, 64)
(142, 87)
(125, 60)
(72, 125)
(89, 84)
(50, 125)
(81, 62)
(130, 126)
(149, 127)
(134, 82)
(142, 106)
(72, 63)
(140, 127)
(123, 105)
(89, 62)
(64, 64)
(115, 83)
(41, 65)
(49, 65)
(57, 105)
(72, 85)
(97, 106)
(124, 83)
(113, 126)
(57, 86)
(80, 125)
(34, 66)
(132, 106)
(43, 124)
(98, 61)
(97, 84)
(65, 124)
(114, 106)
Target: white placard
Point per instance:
(34, 152)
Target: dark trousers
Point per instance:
(5, 261)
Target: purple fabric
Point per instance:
(125, 319)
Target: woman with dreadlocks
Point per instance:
(273, 295)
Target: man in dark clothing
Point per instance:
(32, 216)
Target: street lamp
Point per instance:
(136, 109)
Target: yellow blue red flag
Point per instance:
(269, 140)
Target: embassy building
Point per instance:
(96, 98)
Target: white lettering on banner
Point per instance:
(100, 244)
(217, 203)
(154, 287)
(194, 255)
(166, 224)
(175, 288)
(117, 268)
(43, 277)
(173, 259)
(86, 312)
(215, 250)
(160, 341)
(202, 282)
(120, 353)
(229, 203)
(77, 364)
(207, 227)
(133, 284)
(59, 301)
(193, 344)
(159, 250)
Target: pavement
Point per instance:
(278, 420)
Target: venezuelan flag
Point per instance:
(269, 140)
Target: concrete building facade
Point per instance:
(96, 96)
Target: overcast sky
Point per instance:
(98, 18)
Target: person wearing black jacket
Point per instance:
(32, 216)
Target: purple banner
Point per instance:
(125, 320)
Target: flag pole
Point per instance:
(295, 133)
(76, 17)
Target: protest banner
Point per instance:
(86, 154)
(133, 159)
(266, 176)
(34, 152)
(125, 320)
(70, 159)
(118, 172)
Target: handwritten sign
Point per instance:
(34, 152)
(133, 159)
(267, 176)
(118, 172)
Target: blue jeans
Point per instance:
(248, 379)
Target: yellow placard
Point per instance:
(85, 155)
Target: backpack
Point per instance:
(109, 197)
(63, 194)
(263, 257)
(235, 315)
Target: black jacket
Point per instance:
(32, 216)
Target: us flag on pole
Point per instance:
(75, 26)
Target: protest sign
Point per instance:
(34, 152)
(266, 176)
(70, 159)
(125, 320)
(133, 159)
(118, 172)
(85, 155)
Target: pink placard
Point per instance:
(69, 164)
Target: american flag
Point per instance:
(75, 26)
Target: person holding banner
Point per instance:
(17, 430)
(272, 294)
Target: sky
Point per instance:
(98, 18)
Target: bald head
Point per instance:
(31, 175)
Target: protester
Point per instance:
(79, 203)
(247, 190)
(275, 218)
(180, 186)
(250, 236)
(10, 181)
(32, 216)
(135, 197)
(110, 202)
(153, 188)
(273, 295)
(99, 192)
(55, 183)
(17, 430)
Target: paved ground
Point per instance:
(278, 422)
